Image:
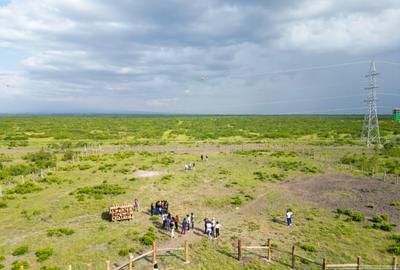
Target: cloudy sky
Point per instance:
(209, 56)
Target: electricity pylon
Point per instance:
(370, 133)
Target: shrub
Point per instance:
(253, 226)
(236, 201)
(20, 251)
(2, 258)
(125, 251)
(44, 253)
(395, 203)
(148, 238)
(97, 191)
(50, 268)
(394, 250)
(383, 226)
(377, 219)
(167, 160)
(16, 265)
(60, 232)
(68, 155)
(83, 167)
(3, 205)
(357, 216)
(2, 266)
(27, 187)
(51, 180)
(309, 247)
(42, 159)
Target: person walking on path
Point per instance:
(184, 226)
(289, 215)
(217, 227)
(192, 220)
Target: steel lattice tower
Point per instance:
(370, 133)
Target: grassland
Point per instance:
(55, 196)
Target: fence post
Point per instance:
(154, 252)
(324, 263)
(293, 257)
(358, 263)
(186, 251)
(107, 265)
(394, 267)
(88, 266)
(269, 250)
(70, 267)
(130, 261)
(21, 267)
(239, 250)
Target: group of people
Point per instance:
(211, 228)
(161, 207)
(171, 223)
(204, 158)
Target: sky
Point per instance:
(197, 57)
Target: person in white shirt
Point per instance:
(289, 215)
(209, 230)
(213, 223)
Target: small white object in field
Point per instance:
(237, 208)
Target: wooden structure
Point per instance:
(121, 212)
(324, 265)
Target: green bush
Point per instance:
(50, 268)
(51, 180)
(42, 159)
(3, 204)
(394, 250)
(357, 216)
(383, 226)
(2, 266)
(20, 251)
(148, 238)
(60, 232)
(68, 155)
(309, 247)
(395, 203)
(125, 251)
(2, 258)
(83, 167)
(27, 187)
(43, 254)
(236, 201)
(99, 190)
(16, 265)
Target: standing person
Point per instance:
(164, 220)
(172, 230)
(205, 225)
(192, 220)
(188, 222)
(136, 205)
(289, 215)
(184, 226)
(151, 209)
(209, 230)
(176, 222)
(202, 157)
(217, 227)
(206, 158)
(213, 223)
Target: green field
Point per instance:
(59, 175)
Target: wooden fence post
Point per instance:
(154, 252)
(358, 263)
(108, 265)
(70, 267)
(324, 263)
(21, 267)
(130, 261)
(88, 266)
(239, 250)
(186, 251)
(293, 257)
(269, 250)
(394, 267)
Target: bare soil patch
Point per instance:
(344, 191)
(141, 173)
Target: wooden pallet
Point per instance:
(121, 212)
